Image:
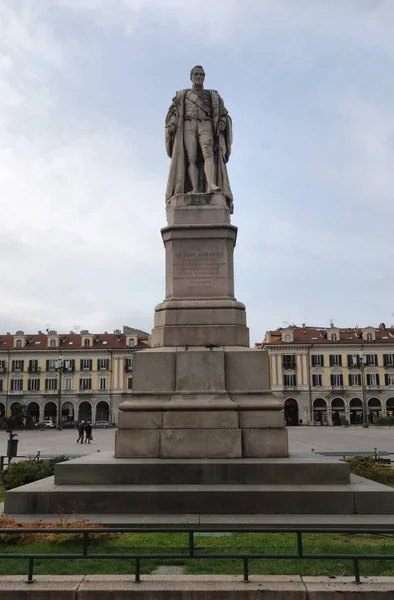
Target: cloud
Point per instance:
(84, 86)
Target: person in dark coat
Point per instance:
(81, 431)
(88, 432)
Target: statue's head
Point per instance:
(197, 76)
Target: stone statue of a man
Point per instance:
(198, 141)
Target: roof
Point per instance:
(72, 341)
(321, 336)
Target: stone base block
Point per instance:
(265, 443)
(140, 420)
(257, 419)
(214, 419)
(137, 443)
(200, 335)
(201, 443)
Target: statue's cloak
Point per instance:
(178, 179)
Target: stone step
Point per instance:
(224, 523)
(44, 497)
(103, 469)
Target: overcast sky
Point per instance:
(84, 89)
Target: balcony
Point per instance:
(336, 388)
(376, 388)
(50, 392)
(3, 369)
(289, 365)
(85, 392)
(354, 365)
(16, 392)
(34, 369)
(86, 368)
(68, 369)
(389, 365)
(128, 368)
(103, 368)
(291, 388)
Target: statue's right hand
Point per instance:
(171, 128)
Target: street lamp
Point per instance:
(363, 358)
(59, 367)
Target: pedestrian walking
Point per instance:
(88, 432)
(81, 431)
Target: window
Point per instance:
(103, 383)
(131, 342)
(33, 385)
(290, 380)
(317, 380)
(317, 360)
(68, 384)
(287, 338)
(335, 360)
(69, 365)
(388, 360)
(86, 364)
(51, 365)
(355, 379)
(353, 360)
(86, 343)
(85, 383)
(1, 385)
(33, 366)
(51, 385)
(2, 366)
(373, 379)
(102, 364)
(52, 343)
(16, 385)
(337, 380)
(17, 365)
(289, 361)
(334, 337)
(371, 359)
(128, 365)
(389, 379)
(369, 337)
(18, 344)
(129, 383)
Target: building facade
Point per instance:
(64, 377)
(327, 375)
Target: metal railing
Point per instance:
(191, 551)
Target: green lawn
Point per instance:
(237, 543)
(1, 493)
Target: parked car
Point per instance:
(101, 424)
(69, 425)
(46, 423)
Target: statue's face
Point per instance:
(198, 77)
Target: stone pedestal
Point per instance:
(200, 308)
(200, 392)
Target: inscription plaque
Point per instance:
(199, 271)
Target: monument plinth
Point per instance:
(200, 308)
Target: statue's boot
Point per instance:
(213, 189)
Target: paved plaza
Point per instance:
(302, 439)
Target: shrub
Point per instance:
(385, 421)
(367, 466)
(27, 471)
